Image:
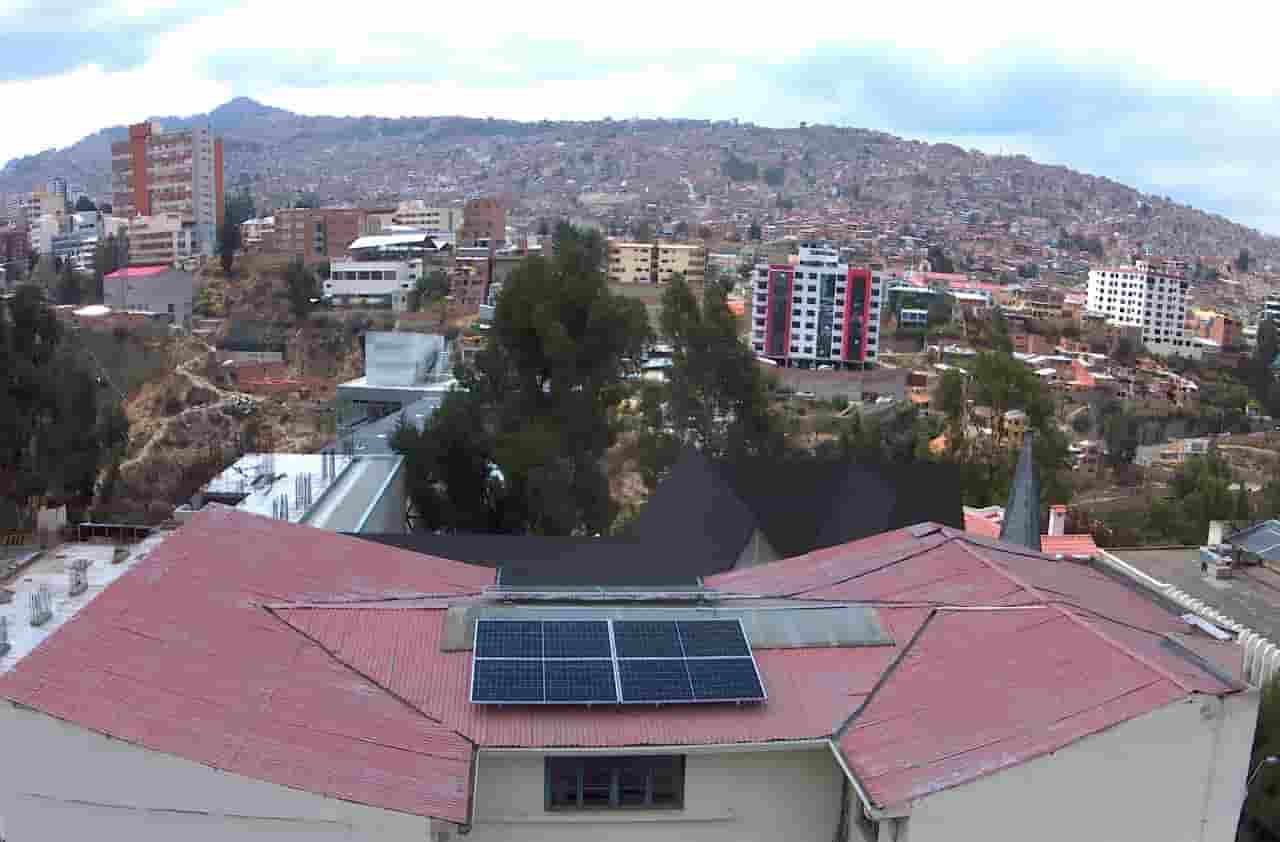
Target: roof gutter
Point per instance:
(872, 811)
(698, 748)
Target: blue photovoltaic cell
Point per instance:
(647, 640)
(575, 639)
(714, 638)
(508, 639)
(580, 682)
(495, 680)
(724, 679)
(654, 681)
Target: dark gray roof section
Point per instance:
(702, 516)
(1250, 597)
(1022, 513)
(766, 627)
(1261, 539)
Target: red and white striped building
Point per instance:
(817, 311)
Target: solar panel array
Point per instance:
(613, 662)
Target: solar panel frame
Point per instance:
(478, 658)
(616, 659)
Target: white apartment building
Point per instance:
(1271, 308)
(372, 283)
(417, 214)
(816, 310)
(1149, 296)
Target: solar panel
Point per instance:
(662, 680)
(610, 662)
(580, 682)
(714, 638)
(497, 680)
(576, 639)
(508, 639)
(725, 679)
(647, 639)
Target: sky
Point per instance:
(1169, 102)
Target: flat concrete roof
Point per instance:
(1251, 597)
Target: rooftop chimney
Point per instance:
(1058, 520)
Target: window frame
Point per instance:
(557, 767)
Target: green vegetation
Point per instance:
(1200, 491)
(301, 288)
(431, 287)
(938, 260)
(775, 176)
(521, 447)
(1262, 807)
(55, 433)
(715, 397)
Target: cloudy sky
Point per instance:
(1175, 103)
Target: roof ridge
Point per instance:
(393, 694)
(1070, 615)
(898, 560)
(884, 676)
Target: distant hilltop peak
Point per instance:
(243, 106)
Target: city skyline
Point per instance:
(1172, 107)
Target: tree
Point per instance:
(228, 244)
(85, 205)
(1126, 352)
(54, 433)
(775, 176)
(754, 233)
(939, 262)
(717, 398)
(537, 402)
(108, 256)
(307, 201)
(644, 231)
(704, 232)
(69, 285)
(949, 400)
(301, 288)
(940, 310)
(1242, 262)
(1262, 805)
(1000, 339)
(432, 286)
(236, 209)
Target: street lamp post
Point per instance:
(1269, 760)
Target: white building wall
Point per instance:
(1153, 302)
(61, 782)
(1174, 775)
(779, 796)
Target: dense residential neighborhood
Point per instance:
(428, 477)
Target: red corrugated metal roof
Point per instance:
(178, 656)
(225, 647)
(137, 271)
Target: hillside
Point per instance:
(618, 171)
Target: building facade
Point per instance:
(314, 234)
(417, 214)
(484, 219)
(1147, 296)
(151, 289)
(371, 283)
(648, 263)
(161, 240)
(817, 311)
(156, 172)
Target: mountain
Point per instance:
(616, 172)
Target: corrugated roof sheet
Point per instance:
(178, 656)
(314, 660)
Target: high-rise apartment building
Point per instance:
(484, 219)
(315, 234)
(1149, 296)
(156, 172)
(816, 311)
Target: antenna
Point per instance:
(41, 606)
